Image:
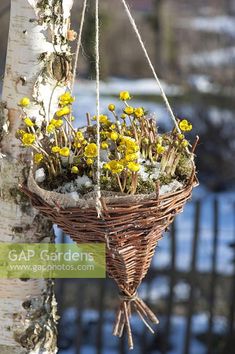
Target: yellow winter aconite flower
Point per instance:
(160, 149)
(55, 149)
(24, 102)
(114, 136)
(89, 161)
(130, 144)
(63, 111)
(131, 157)
(103, 119)
(104, 145)
(28, 122)
(129, 110)
(66, 99)
(133, 166)
(123, 116)
(115, 166)
(79, 135)
(57, 122)
(91, 150)
(184, 143)
(50, 128)
(111, 107)
(28, 139)
(180, 136)
(113, 126)
(124, 95)
(185, 125)
(74, 170)
(77, 144)
(20, 132)
(65, 152)
(139, 112)
(38, 158)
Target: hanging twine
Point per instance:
(79, 42)
(97, 62)
(135, 28)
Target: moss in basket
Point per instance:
(133, 154)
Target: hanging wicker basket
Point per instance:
(130, 226)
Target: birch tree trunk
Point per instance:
(38, 63)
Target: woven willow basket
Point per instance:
(130, 226)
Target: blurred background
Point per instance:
(191, 283)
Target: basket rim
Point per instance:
(62, 201)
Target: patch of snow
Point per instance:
(216, 24)
(216, 58)
(202, 84)
(40, 175)
(75, 186)
(171, 187)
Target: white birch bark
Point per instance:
(33, 67)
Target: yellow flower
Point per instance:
(139, 112)
(55, 149)
(160, 149)
(20, 132)
(133, 166)
(106, 166)
(64, 151)
(57, 122)
(103, 119)
(104, 145)
(74, 170)
(77, 144)
(79, 135)
(28, 139)
(111, 107)
(38, 158)
(24, 102)
(66, 99)
(115, 166)
(129, 110)
(184, 143)
(50, 128)
(180, 136)
(114, 136)
(63, 111)
(28, 122)
(91, 150)
(113, 126)
(72, 118)
(131, 157)
(89, 161)
(123, 116)
(124, 96)
(130, 145)
(185, 125)
(104, 134)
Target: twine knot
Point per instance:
(129, 298)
